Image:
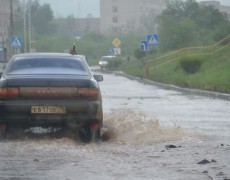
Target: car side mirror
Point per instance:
(98, 78)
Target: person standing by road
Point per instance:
(73, 50)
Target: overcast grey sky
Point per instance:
(81, 8)
(78, 8)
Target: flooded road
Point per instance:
(153, 134)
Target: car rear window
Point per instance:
(48, 66)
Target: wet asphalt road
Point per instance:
(189, 111)
(140, 121)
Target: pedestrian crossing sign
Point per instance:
(152, 39)
(16, 42)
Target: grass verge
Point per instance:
(207, 72)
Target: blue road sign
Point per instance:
(16, 42)
(152, 39)
(111, 51)
(144, 46)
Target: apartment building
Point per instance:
(127, 15)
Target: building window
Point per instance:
(115, 9)
(115, 19)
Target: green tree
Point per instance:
(42, 18)
(148, 22)
(187, 23)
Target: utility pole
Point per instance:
(78, 10)
(11, 17)
(25, 38)
(30, 28)
(11, 26)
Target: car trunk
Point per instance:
(45, 100)
(48, 87)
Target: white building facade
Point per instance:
(127, 15)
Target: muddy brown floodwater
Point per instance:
(152, 134)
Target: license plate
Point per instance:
(48, 109)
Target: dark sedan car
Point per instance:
(50, 90)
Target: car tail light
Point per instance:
(94, 125)
(9, 93)
(87, 92)
(2, 127)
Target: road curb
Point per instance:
(215, 95)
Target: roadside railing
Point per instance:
(175, 55)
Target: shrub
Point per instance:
(190, 66)
(115, 64)
(139, 54)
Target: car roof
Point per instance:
(45, 55)
(109, 56)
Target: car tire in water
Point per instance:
(87, 134)
(3, 134)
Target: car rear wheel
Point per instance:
(3, 132)
(88, 134)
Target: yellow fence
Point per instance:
(175, 55)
